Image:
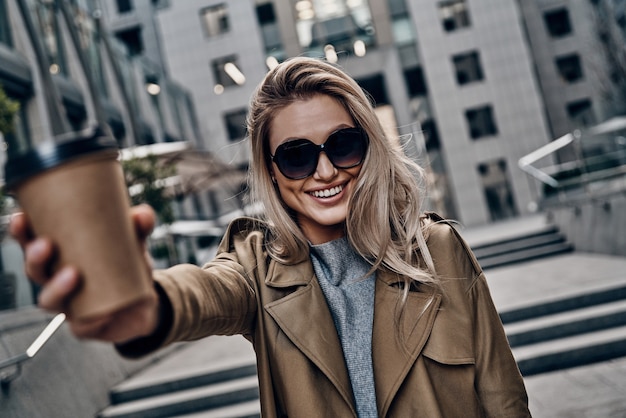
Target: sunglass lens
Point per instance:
(297, 159)
(347, 147)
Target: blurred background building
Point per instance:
(469, 87)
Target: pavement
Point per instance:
(597, 390)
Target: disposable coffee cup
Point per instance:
(73, 191)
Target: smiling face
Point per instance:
(320, 201)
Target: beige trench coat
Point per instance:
(448, 357)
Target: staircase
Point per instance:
(554, 334)
(580, 329)
(542, 241)
(211, 382)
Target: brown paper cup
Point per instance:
(82, 205)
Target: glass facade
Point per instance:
(46, 14)
(343, 25)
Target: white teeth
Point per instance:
(328, 192)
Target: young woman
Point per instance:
(357, 304)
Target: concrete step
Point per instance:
(598, 295)
(518, 245)
(525, 254)
(568, 323)
(250, 409)
(225, 370)
(573, 351)
(219, 395)
(549, 235)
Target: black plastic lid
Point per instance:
(53, 153)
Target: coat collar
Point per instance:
(396, 344)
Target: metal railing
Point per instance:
(580, 164)
(31, 351)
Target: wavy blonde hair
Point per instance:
(383, 220)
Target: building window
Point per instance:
(557, 23)
(270, 30)
(5, 28)
(569, 68)
(454, 15)
(132, 39)
(431, 135)
(226, 73)
(215, 20)
(265, 14)
(481, 122)
(236, 124)
(581, 112)
(467, 68)
(497, 190)
(375, 87)
(414, 79)
(124, 6)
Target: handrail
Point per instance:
(525, 163)
(31, 351)
(596, 154)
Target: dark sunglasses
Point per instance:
(298, 158)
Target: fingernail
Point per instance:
(66, 276)
(36, 248)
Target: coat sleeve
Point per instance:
(216, 299)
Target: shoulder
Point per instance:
(241, 230)
(451, 254)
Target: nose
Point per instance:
(325, 169)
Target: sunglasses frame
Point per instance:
(322, 147)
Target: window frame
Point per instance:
(235, 131)
(215, 20)
(485, 118)
(553, 31)
(460, 19)
(469, 60)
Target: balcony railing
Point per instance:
(581, 164)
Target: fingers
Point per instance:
(137, 320)
(58, 290)
(144, 219)
(19, 229)
(38, 255)
(38, 252)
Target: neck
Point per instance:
(322, 234)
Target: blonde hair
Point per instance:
(383, 219)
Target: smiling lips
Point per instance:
(328, 192)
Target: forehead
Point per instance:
(313, 118)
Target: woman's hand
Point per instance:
(137, 320)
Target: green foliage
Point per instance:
(146, 172)
(3, 201)
(8, 110)
(160, 251)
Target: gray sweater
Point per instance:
(340, 271)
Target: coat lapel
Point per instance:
(305, 319)
(395, 348)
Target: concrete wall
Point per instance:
(596, 225)
(67, 378)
